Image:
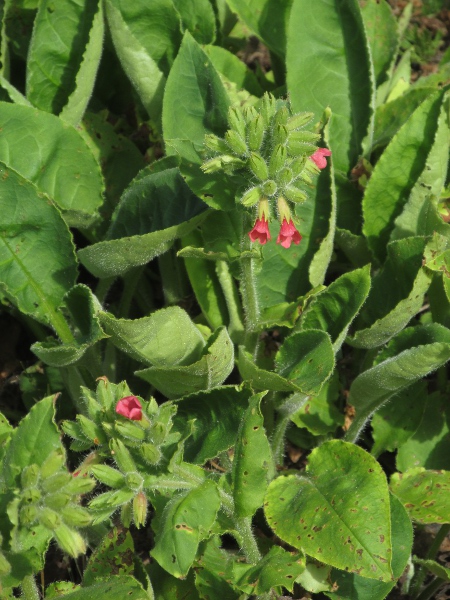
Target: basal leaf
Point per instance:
(328, 64)
(41, 148)
(197, 17)
(228, 64)
(260, 379)
(338, 512)
(253, 466)
(396, 172)
(381, 28)
(185, 522)
(424, 494)
(31, 230)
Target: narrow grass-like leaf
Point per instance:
(338, 512)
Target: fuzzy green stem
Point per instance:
(236, 325)
(249, 290)
(29, 588)
(249, 545)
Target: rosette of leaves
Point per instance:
(50, 496)
(272, 146)
(100, 425)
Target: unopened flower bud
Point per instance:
(73, 430)
(277, 160)
(112, 499)
(297, 165)
(281, 116)
(269, 188)
(256, 133)
(294, 194)
(109, 476)
(150, 453)
(49, 518)
(251, 196)
(31, 496)
(303, 136)
(80, 485)
(258, 166)
(213, 165)
(52, 464)
(91, 430)
(299, 120)
(280, 134)
(57, 501)
(122, 456)
(140, 506)
(285, 176)
(27, 515)
(268, 108)
(249, 113)
(216, 144)
(300, 148)
(236, 143)
(236, 121)
(70, 540)
(126, 514)
(76, 516)
(130, 430)
(134, 481)
(30, 476)
(56, 482)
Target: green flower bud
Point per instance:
(304, 136)
(159, 432)
(280, 134)
(277, 160)
(300, 148)
(122, 456)
(27, 515)
(299, 120)
(216, 144)
(30, 476)
(258, 166)
(91, 430)
(57, 501)
(31, 496)
(80, 485)
(140, 506)
(56, 482)
(106, 393)
(213, 165)
(126, 515)
(294, 194)
(256, 133)
(150, 453)
(134, 482)
(285, 176)
(297, 165)
(70, 540)
(76, 516)
(236, 143)
(108, 476)
(49, 518)
(236, 121)
(130, 430)
(112, 499)
(249, 113)
(268, 108)
(52, 464)
(93, 407)
(231, 163)
(251, 196)
(281, 117)
(269, 188)
(73, 430)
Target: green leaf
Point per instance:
(153, 212)
(260, 379)
(234, 70)
(374, 387)
(146, 39)
(165, 586)
(394, 423)
(396, 295)
(429, 445)
(223, 406)
(277, 568)
(333, 56)
(205, 101)
(353, 246)
(435, 568)
(31, 226)
(338, 512)
(268, 19)
(41, 148)
(198, 18)
(334, 309)
(60, 38)
(381, 28)
(355, 587)
(186, 520)
(115, 587)
(83, 306)
(396, 172)
(167, 337)
(424, 494)
(84, 81)
(306, 359)
(209, 371)
(253, 466)
(212, 575)
(33, 440)
(115, 554)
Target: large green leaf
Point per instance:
(33, 234)
(223, 406)
(327, 50)
(154, 210)
(198, 17)
(60, 37)
(338, 512)
(115, 587)
(234, 70)
(116, 549)
(397, 171)
(42, 148)
(211, 370)
(334, 309)
(253, 466)
(381, 28)
(424, 494)
(186, 521)
(267, 19)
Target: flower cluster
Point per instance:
(279, 156)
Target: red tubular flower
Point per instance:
(130, 408)
(260, 231)
(288, 234)
(319, 157)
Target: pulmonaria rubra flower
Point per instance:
(260, 229)
(288, 234)
(319, 157)
(130, 408)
